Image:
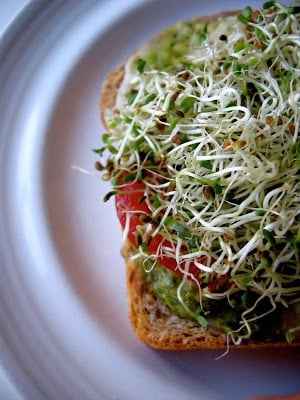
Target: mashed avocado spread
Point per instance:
(220, 315)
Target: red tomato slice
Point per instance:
(129, 204)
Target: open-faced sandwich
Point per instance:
(203, 155)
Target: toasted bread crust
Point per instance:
(109, 92)
(151, 320)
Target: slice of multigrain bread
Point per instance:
(151, 320)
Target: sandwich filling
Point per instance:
(204, 158)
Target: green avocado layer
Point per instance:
(223, 314)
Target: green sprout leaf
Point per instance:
(140, 65)
(131, 96)
(245, 15)
(206, 164)
(269, 236)
(201, 320)
(268, 4)
(289, 336)
(187, 104)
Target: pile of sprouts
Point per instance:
(208, 118)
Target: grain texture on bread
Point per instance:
(109, 93)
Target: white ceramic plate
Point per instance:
(63, 315)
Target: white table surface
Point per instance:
(8, 10)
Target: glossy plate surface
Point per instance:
(63, 315)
